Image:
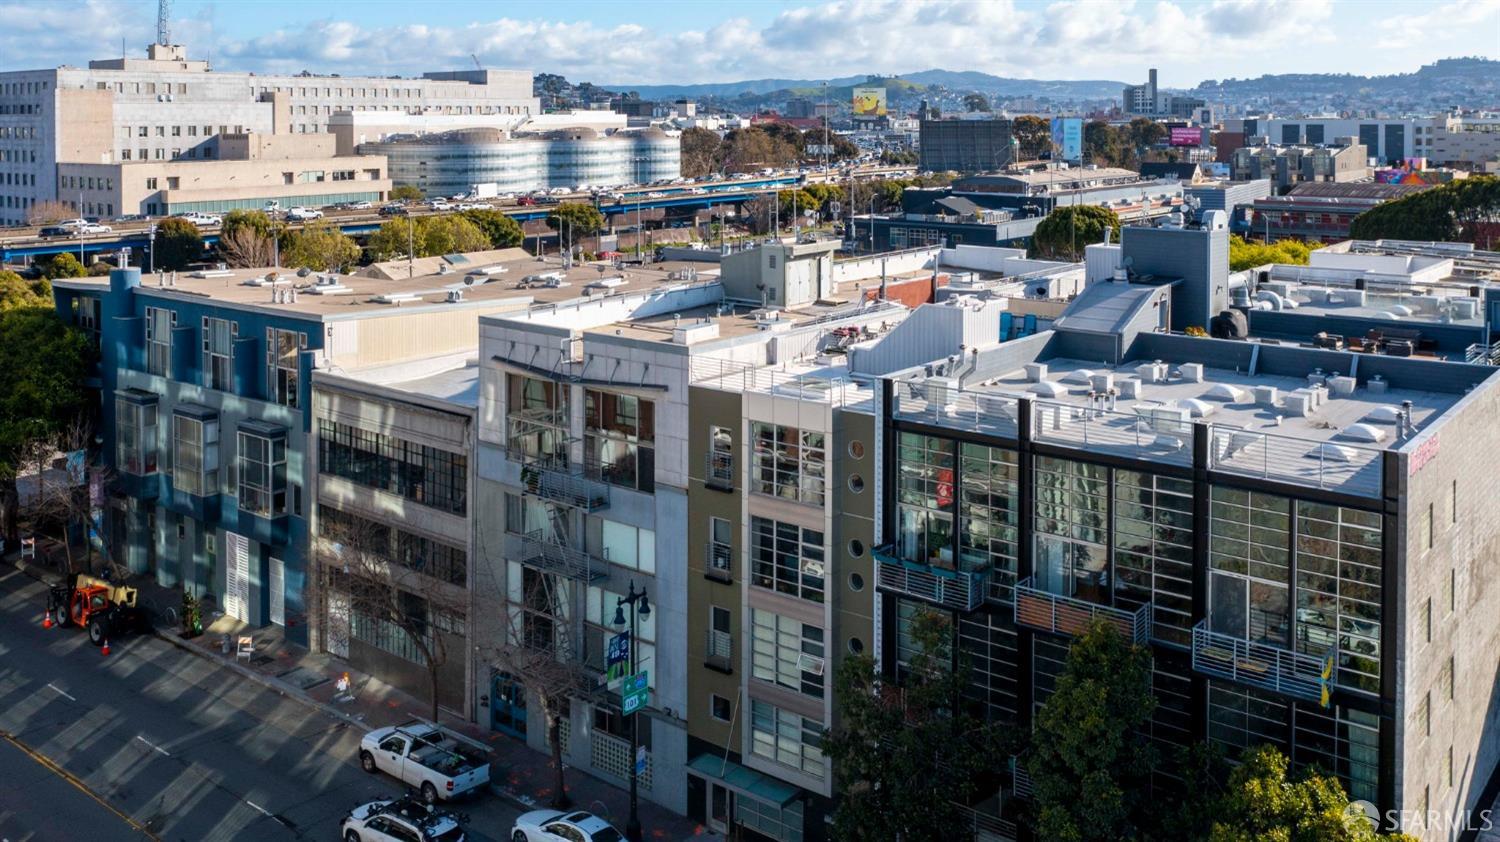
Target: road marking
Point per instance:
(154, 747)
(259, 809)
(77, 784)
(59, 691)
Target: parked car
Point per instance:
(303, 214)
(202, 220)
(401, 820)
(436, 762)
(559, 826)
(394, 210)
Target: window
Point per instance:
(720, 457)
(720, 708)
(720, 647)
(786, 738)
(1445, 680)
(1454, 506)
(720, 549)
(262, 473)
(1423, 714)
(159, 324)
(788, 463)
(283, 353)
(537, 420)
(628, 546)
(218, 353)
(619, 439)
(195, 455)
(135, 437)
(1427, 620)
(787, 652)
(787, 558)
(422, 474)
(1338, 590)
(429, 556)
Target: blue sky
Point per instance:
(677, 41)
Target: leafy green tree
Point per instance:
(1262, 802)
(17, 292)
(1245, 254)
(392, 238)
(406, 193)
(1459, 211)
(700, 151)
(241, 219)
(1101, 144)
(178, 243)
(320, 246)
(796, 203)
(1089, 760)
(502, 231)
(574, 221)
(899, 158)
(62, 265)
(1033, 135)
(1066, 231)
(99, 269)
(42, 366)
(905, 757)
(1143, 132)
(428, 236)
(976, 102)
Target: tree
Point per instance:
(1460, 210)
(1245, 254)
(427, 236)
(244, 247)
(753, 148)
(406, 193)
(1102, 144)
(976, 102)
(1143, 132)
(502, 231)
(700, 151)
(320, 246)
(1262, 803)
(62, 265)
(1089, 760)
(1066, 231)
(60, 497)
(42, 213)
(1033, 135)
(99, 269)
(42, 366)
(908, 757)
(178, 243)
(796, 204)
(573, 220)
(254, 220)
(388, 587)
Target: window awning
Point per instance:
(744, 780)
(262, 429)
(196, 410)
(137, 396)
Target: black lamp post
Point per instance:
(639, 607)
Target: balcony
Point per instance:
(720, 562)
(949, 588)
(1262, 665)
(719, 471)
(1065, 615)
(720, 651)
(539, 552)
(1020, 778)
(560, 483)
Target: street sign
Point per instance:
(634, 692)
(617, 658)
(640, 760)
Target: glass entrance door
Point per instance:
(720, 807)
(508, 705)
(1249, 609)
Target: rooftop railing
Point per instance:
(1262, 665)
(1137, 435)
(1330, 465)
(1050, 612)
(927, 402)
(731, 376)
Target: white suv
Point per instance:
(403, 820)
(203, 220)
(303, 214)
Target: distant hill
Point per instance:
(962, 80)
(1474, 81)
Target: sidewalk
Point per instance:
(518, 772)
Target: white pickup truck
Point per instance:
(436, 762)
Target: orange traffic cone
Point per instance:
(46, 620)
(104, 650)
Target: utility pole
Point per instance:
(411, 248)
(640, 608)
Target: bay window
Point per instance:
(135, 432)
(195, 453)
(283, 350)
(159, 324)
(262, 470)
(218, 353)
(619, 439)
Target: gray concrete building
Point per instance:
(1289, 166)
(966, 146)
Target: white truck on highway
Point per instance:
(488, 190)
(438, 763)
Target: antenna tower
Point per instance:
(164, 22)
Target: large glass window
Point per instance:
(536, 413)
(1338, 589)
(786, 738)
(627, 546)
(1153, 550)
(135, 437)
(195, 455)
(262, 474)
(283, 350)
(438, 559)
(787, 558)
(541, 519)
(159, 324)
(787, 652)
(1072, 502)
(619, 439)
(422, 474)
(925, 500)
(788, 463)
(988, 513)
(218, 353)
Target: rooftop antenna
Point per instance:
(477, 65)
(164, 22)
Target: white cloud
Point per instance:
(1066, 39)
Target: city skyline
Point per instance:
(662, 43)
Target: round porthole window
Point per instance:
(856, 582)
(857, 449)
(856, 547)
(856, 646)
(856, 483)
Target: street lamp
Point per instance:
(640, 607)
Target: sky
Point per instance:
(613, 42)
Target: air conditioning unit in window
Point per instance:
(810, 663)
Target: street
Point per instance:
(184, 748)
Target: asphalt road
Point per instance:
(183, 747)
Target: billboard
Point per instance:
(869, 102)
(1185, 136)
(1067, 138)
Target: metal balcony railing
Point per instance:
(1020, 778)
(718, 472)
(1058, 614)
(544, 554)
(1263, 665)
(566, 484)
(961, 591)
(986, 827)
(720, 558)
(720, 649)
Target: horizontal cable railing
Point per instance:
(1335, 466)
(1040, 609)
(1262, 665)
